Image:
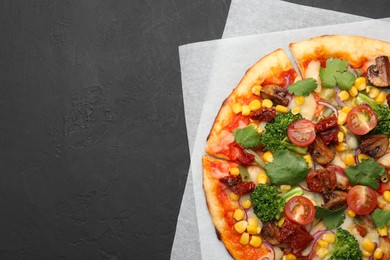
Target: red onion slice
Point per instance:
(271, 255)
(317, 236)
(334, 109)
(356, 157)
(303, 185)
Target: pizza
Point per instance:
(297, 163)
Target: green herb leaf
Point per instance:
(335, 73)
(381, 218)
(365, 173)
(287, 168)
(247, 137)
(303, 87)
(331, 218)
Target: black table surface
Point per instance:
(93, 146)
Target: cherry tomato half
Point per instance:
(301, 132)
(361, 119)
(300, 210)
(362, 199)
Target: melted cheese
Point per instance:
(308, 108)
(313, 71)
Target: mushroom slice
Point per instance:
(374, 145)
(335, 200)
(275, 93)
(379, 74)
(270, 232)
(321, 153)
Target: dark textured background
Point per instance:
(93, 147)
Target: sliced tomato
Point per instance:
(301, 132)
(361, 119)
(362, 199)
(300, 210)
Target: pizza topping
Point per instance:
(328, 130)
(379, 74)
(263, 114)
(294, 235)
(362, 199)
(300, 210)
(275, 93)
(335, 200)
(336, 74)
(326, 124)
(342, 180)
(247, 137)
(331, 218)
(361, 119)
(320, 152)
(303, 87)
(321, 180)
(346, 246)
(270, 232)
(374, 145)
(301, 132)
(236, 185)
(367, 172)
(237, 154)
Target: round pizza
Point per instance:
(298, 163)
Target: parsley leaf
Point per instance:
(381, 217)
(287, 168)
(303, 87)
(247, 137)
(331, 218)
(335, 73)
(365, 173)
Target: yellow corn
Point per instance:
(253, 124)
(322, 252)
(340, 137)
(368, 245)
(285, 188)
(281, 109)
(346, 109)
(244, 240)
(262, 178)
(246, 110)
(342, 118)
(299, 100)
(234, 171)
(363, 156)
(341, 147)
(366, 253)
(255, 241)
(368, 89)
(256, 90)
(267, 103)
(386, 195)
(378, 253)
(381, 97)
(238, 214)
(255, 104)
(240, 226)
(330, 238)
(322, 243)
(353, 91)
(237, 108)
(291, 257)
(295, 110)
(234, 196)
(343, 95)
(374, 92)
(349, 160)
(253, 230)
(246, 204)
(268, 157)
(343, 129)
(381, 202)
(382, 231)
(308, 160)
(351, 214)
(259, 130)
(281, 221)
(360, 83)
(253, 221)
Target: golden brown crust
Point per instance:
(359, 51)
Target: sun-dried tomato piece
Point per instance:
(326, 124)
(263, 114)
(330, 136)
(237, 154)
(236, 185)
(294, 235)
(321, 180)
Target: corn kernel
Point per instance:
(255, 104)
(246, 204)
(240, 226)
(351, 214)
(256, 90)
(382, 231)
(349, 160)
(368, 89)
(253, 230)
(299, 100)
(366, 253)
(368, 245)
(234, 196)
(262, 178)
(281, 109)
(255, 241)
(295, 110)
(253, 222)
(285, 188)
(386, 195)
(322, 243)
(237, 108)
(360, 81)
(244, 240)
(378, 253)
(343, 129)
(346, 109)
(374, 92)
(245, 110)
(341, 147)
(381, 97)
(342, 118)
(267, 103)
(322, 252)
(353, 91)
(330, 238)
(340, 137)
(343, 95)
(234, 171)
(291, 257)
(308, 160)
(281, 221)
(363, 156)
(238, 214)
(268, 157)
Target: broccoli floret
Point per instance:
(268, 202)
(346, 247)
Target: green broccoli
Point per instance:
(268, 202)
(382, 111)
(346, 247)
